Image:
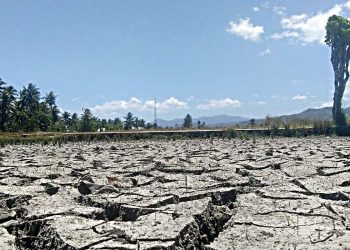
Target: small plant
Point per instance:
(246, 232)
(288, 219)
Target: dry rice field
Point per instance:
(187, 194)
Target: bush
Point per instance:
(323, 128)
(230, 133)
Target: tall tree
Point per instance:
(187, 121)
(140, 123)
(7, 106)
(50, 100)
(252, 122)
(117, 123)
(75, 122)
(129, 121)
(42, 120)
(87, 121)
(338, 38)
(67, 119)
(2, 84)
(29, 98)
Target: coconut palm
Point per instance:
(50, 99)
(67, 119)
(140, 123)
(29, 98)
(87, 121)
(2, 84)
(129, 121)
(7, 105)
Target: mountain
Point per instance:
(210, 121)
(311, 114)
(314, 114)
(226, 120)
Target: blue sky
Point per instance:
(248, 58)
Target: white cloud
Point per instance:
(308, 28)
(256, 9)
(280, 10)
(347, 5)
(171, 103)
(326, 104)
(220, 104)
(134, 104)
(246, 30)
(261, 103)
(285, 34)
(299, 97)
(74, 99)
(265, 52)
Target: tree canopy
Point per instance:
(337, 31)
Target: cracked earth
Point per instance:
(188, 194)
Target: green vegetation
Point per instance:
(28, 111)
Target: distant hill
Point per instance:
(314, 114)
(311, 114)
(226, 120)
(210, 121)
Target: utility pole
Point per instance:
(155, 113)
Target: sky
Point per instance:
(248, 58)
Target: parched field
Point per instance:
(187, 194)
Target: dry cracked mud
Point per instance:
(268, 193)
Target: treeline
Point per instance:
(294, 127)
(277, 122)
(26, 110)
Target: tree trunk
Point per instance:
(340, 61)
(337, 106)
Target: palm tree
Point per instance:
(140, 123)
(7, 105)
(87, 121)
(2, 83)
(29, 98)
(50, 99)
(129, 121)
(67, 119)
(75, 122)
(55, 114)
